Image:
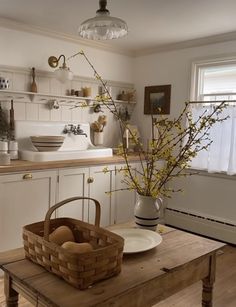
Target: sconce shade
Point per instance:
(63, 74)
(103, 26)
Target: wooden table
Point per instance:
(146, 278)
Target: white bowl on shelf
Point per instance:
(47, 142)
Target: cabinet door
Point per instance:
(124, 200)
(24, 199)
(73, 182)
(99, 184)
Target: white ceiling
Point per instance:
(153, 24)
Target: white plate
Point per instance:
(138, 240)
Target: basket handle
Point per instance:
(63, 202)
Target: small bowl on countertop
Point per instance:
(47, 142)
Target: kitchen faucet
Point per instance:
(70, 128)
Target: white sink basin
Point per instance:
(36, 156)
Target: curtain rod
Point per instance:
(210, 101)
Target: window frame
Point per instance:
(196, 88)
(197, 78)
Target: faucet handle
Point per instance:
(65, 130)
(76, 130)
(79, 130)
(68, 129)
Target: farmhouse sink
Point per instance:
(35, 156)
(75, 146)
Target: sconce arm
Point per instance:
(54, 61)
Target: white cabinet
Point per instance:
(117, 206)
(73, 182)
(87, 182)
(100, 183)
(124, 200)
(24, 199)
(96, 182)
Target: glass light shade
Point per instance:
(103, 27)
(63, 74)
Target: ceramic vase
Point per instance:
(147, 212)
(98, 138)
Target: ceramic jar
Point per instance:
(98, 138)
(5, 159)
(13, 149)
(147, 212)
(87, 91)
(3, 146)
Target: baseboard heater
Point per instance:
(200, 224)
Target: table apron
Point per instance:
(31, 296)
(160, 288)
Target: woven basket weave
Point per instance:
(79, 270)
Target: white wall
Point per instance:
(32, 50)
(174, 67)
(26, 50)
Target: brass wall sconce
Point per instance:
(63, 73)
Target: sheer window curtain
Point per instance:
(221, 156)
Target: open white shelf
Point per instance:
(46, 97)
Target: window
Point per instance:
(212, 82)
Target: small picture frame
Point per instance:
(157, 99)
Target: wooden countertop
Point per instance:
(21, 165)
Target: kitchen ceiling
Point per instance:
(154, 25)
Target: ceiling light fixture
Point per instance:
(63, 73)
(103, 26)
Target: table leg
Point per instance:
(10, 294)
(208, 282)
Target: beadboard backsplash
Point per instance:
(29, 109)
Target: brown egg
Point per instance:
(61, 234)
(77, 248)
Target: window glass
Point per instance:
(216, 82)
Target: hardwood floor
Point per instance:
(224, 290)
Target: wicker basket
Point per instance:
(80, 270)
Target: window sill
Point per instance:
(203, 172)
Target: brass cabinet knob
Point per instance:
(90, 180)
(27, 176)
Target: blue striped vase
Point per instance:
(147, 212)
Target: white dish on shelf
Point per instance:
(138, 240)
